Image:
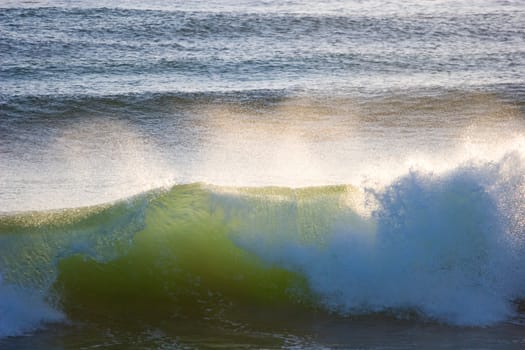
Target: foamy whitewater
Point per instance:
(262, 175)
(23, 311)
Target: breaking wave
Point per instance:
(448, 247)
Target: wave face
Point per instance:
(448, 247)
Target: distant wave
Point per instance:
(185, 50)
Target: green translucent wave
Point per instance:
(174, 252)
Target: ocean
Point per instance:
(184, 174)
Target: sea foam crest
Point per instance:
(449, 246)
(23, 311)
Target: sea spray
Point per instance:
(23, 310)
(446, 246)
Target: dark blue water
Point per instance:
(93, 48)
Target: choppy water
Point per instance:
(262, 174)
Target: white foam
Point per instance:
(23, 311)
(449, 246)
